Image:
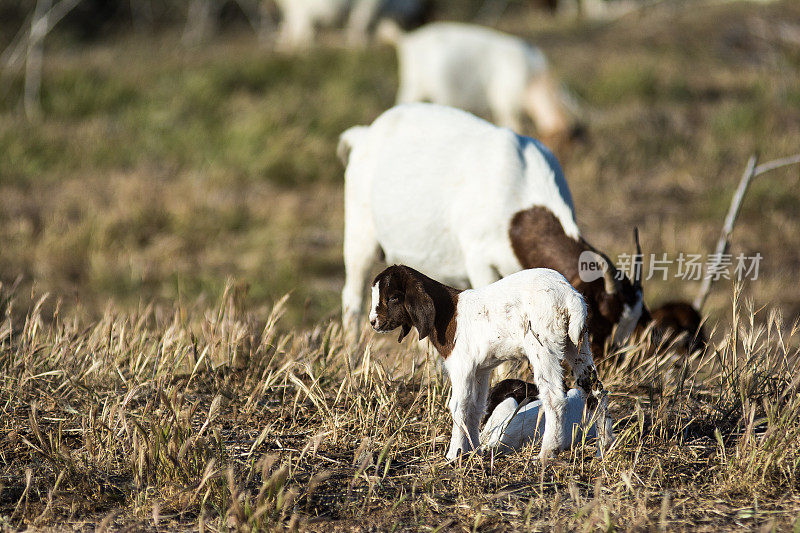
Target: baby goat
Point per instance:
(513, 425)
(533, 314)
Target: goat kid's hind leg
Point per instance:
(548, 377)
(478, 409)
(584, 374)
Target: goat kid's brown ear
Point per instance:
(420, 308)
(404, 330)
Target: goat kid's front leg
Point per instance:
(459, 439)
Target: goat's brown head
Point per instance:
(400, 300)
(621, 302)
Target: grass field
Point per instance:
(168, 198)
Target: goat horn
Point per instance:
(612, 284)
(637, 262)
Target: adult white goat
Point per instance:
(467, 203)
(301, 18)
(480, 70)
(534, 314)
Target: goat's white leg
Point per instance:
(362, 17)
(296, 32)
(463, 402)
(478, 408)
(361, 251)
(543, 104)
(411, 88)
(548, 377)
(480, 272)
(357, 269)
(459, 440)
(507, 114)
(408, 92)
(584, 374)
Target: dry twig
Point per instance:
(723, 244)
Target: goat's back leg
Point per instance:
(362, 17)
(506, 112)
(411, 87)
(584, 374)
(296, 31)
(548, 377)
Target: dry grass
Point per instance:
(209, 417)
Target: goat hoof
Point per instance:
(453, 455)
(546, 457)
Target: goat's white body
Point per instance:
(534, 315)
(479, 70)
(436, 188)
(302, 17)
(510, 427)
(495, 322)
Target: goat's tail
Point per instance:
(348, 140)
(576, 317)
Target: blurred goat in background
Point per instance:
(301, 18)
(482, 71)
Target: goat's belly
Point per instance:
(502, 350)
(413, 229)
(442, 263)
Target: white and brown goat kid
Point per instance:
(533, 314)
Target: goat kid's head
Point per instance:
(399, 300)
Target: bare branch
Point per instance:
(16, 51)
(777, 163)
(727, 229)
(33, 58)
(733, 212)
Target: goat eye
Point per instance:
(394, 299)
